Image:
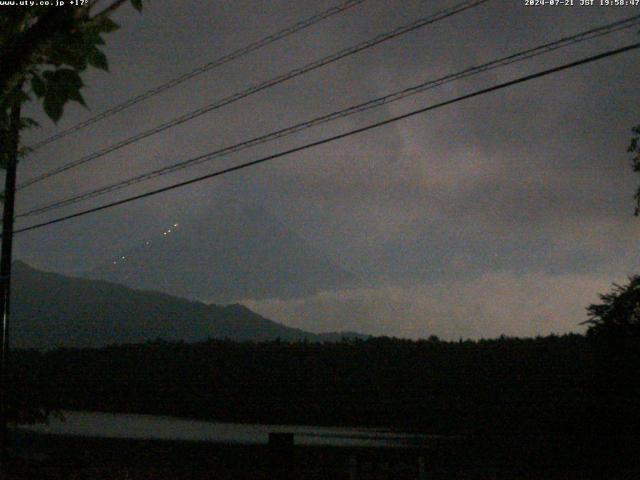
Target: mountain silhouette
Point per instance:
(236, 253)
(52, 310)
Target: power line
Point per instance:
(362, 107)
(468, 4)
(263, 42)
(333, 138)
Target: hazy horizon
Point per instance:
(504, 214)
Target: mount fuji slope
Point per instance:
(236, 253)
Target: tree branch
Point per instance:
(16, 55)
(111, 8)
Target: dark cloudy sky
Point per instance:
(507, 213)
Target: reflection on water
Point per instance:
(168, 428)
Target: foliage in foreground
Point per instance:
(44, 50)
(619, 313)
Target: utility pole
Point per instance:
(12, 142)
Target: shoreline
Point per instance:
(58, 457)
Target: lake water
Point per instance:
(107, 425)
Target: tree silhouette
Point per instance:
(614, 328)
(634, 148)
(44, 50)
(618, 316)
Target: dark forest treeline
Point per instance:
(550, 384)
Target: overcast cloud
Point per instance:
(507, 213)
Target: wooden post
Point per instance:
(11, 152)
(422, 471)
(353, 467)
(281, 456)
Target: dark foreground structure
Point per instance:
(56, 458)
(545, 408)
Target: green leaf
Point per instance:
(106, 25)
(38, 86)
(53, 105)
(67, 79)
(76, 96)
(98, 40)
(62, 85)
(98, 59)
(23, 96)
(137, 4)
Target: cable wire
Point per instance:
(263, 42)
(466, 5)
(362, 107)
(333, 138)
